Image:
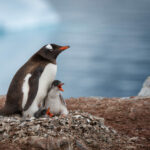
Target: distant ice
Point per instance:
(145, 91)
(23, 14)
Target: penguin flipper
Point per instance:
(62, 99)
(33, 84)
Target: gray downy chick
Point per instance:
(54, 102)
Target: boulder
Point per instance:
(145, 91)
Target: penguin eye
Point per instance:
(49, 47)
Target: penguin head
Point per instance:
(57, 85)
(51, 51)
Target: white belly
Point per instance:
(46, 79)
(54, 105)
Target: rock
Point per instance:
(128, 116)
(131, 147)
(49, 143)
(80, 145)
(145, 91)
(133, 139)
(37, 142)
(106, 123)
(78, 129)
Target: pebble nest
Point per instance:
(79, 130)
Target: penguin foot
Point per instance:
(40, 113)
(49, 113)
(63, 115)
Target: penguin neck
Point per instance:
(54, 93)
(39, 58)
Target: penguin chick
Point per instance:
(54, 103)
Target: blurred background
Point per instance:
(109, 39)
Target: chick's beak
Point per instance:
(60, 87)
(62, 48)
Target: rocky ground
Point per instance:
(93, 123)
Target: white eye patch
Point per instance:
(49, 46)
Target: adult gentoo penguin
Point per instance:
(31, 83)
(54, 103)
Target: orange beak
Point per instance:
(60, 87)
(64, 48)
